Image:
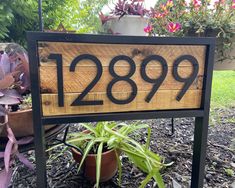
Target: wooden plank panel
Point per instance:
(80, 79)
(105, 52)
(163, 99)
(76, 82)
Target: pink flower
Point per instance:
(158, 15)
(197, 3)
(148, 28)
(173, 27)
(233, 4)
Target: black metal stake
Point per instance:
(40, 15)
(172, 127)
(39, 139)
(199, 151)
(40, 156)
(70, 145)
(201, 124)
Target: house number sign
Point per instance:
(87, 78)
(127, 78)
(80, 78)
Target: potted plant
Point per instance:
(14, 91)
(9, 100)
(127, 18)
(97, 150)
(199, 19)
(16, 124)
(19, 113)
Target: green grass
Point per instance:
(223, 89)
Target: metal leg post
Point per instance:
(172, 127)
(199, 151)
(40, 156)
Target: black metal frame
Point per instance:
(201, 114)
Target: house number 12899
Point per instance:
(127, 78)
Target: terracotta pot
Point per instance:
(108, 165)
(21, 123)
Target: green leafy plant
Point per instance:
(19, 16)
(16, 17)
(117, 136)
(229, 172)
(81, 16)
(26, 102)
(5, 19)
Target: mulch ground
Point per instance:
(220, 161)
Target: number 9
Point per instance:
(189, 80)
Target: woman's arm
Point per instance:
(7, 81)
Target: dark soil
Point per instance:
(62, 170)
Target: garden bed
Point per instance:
(62, 171)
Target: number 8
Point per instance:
(117, 78)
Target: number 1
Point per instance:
(60, 83)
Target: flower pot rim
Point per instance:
(20, 111)
(130, 16)
(92, 155)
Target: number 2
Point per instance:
(79, 101)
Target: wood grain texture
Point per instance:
(82, 77)
(76, 82)
(164, 99)
(105, 52)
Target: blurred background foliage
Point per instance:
(19, 16)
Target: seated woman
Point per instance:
(14, 68)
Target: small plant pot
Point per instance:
(108, 165)
(21, 123)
